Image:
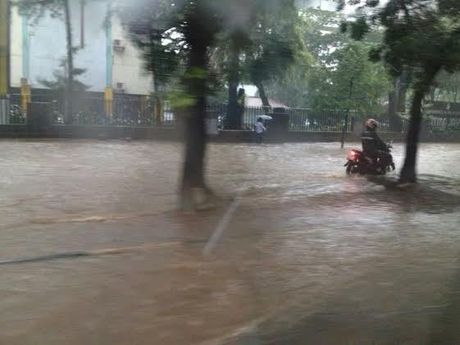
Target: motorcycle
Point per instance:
(358, 163)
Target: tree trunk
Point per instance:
(397, 101)
(157, 103)
(393, 105)
(262, 95)
(158, 110)
(68, 108)
(233, 115)
(402, 86)
(395, 123)
(194, 192)
(408, 172)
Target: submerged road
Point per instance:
(93, 252)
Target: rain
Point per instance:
(229, 172)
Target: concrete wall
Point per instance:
(16, 67)
(108, 132)
(88, 132)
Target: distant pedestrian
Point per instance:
(260, 129)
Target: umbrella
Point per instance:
(265, 117)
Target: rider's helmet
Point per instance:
(371, 124)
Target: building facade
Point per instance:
(104, 51)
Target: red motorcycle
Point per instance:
(358, 163)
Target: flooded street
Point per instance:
(94, 252)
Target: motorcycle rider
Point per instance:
(373, 146)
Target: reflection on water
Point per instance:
(309, 256)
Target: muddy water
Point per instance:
(94, 253)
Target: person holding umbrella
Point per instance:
(260, 129)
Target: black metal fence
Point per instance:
(137, 110)
(127, 110)
(310, 120)
(443, 122)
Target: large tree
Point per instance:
(259, 45)
(197, 27)
(194, 25)
(276, 46)
(322, 78)
(233, 45)
(351, 82)
(420, 35)
(59, 83)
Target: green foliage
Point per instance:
(181, 100)
(354, 83)
(262, 32)
(337, 73)
(422, 36)
(60, 81)
(151, 28)
(418, 34)
(259, 42)
(164, 30)
(275, 42)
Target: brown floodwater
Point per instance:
(94, 252)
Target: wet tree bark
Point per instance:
(397, 101)
(193, 182)
(394, 120)
(403, 84)
(262, 94)
(157, 103)
(408, 172)
(155, 40)
(158, 109)
(68, 104)
(233, 115)
(194, 192)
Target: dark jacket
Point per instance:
(372, 144)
